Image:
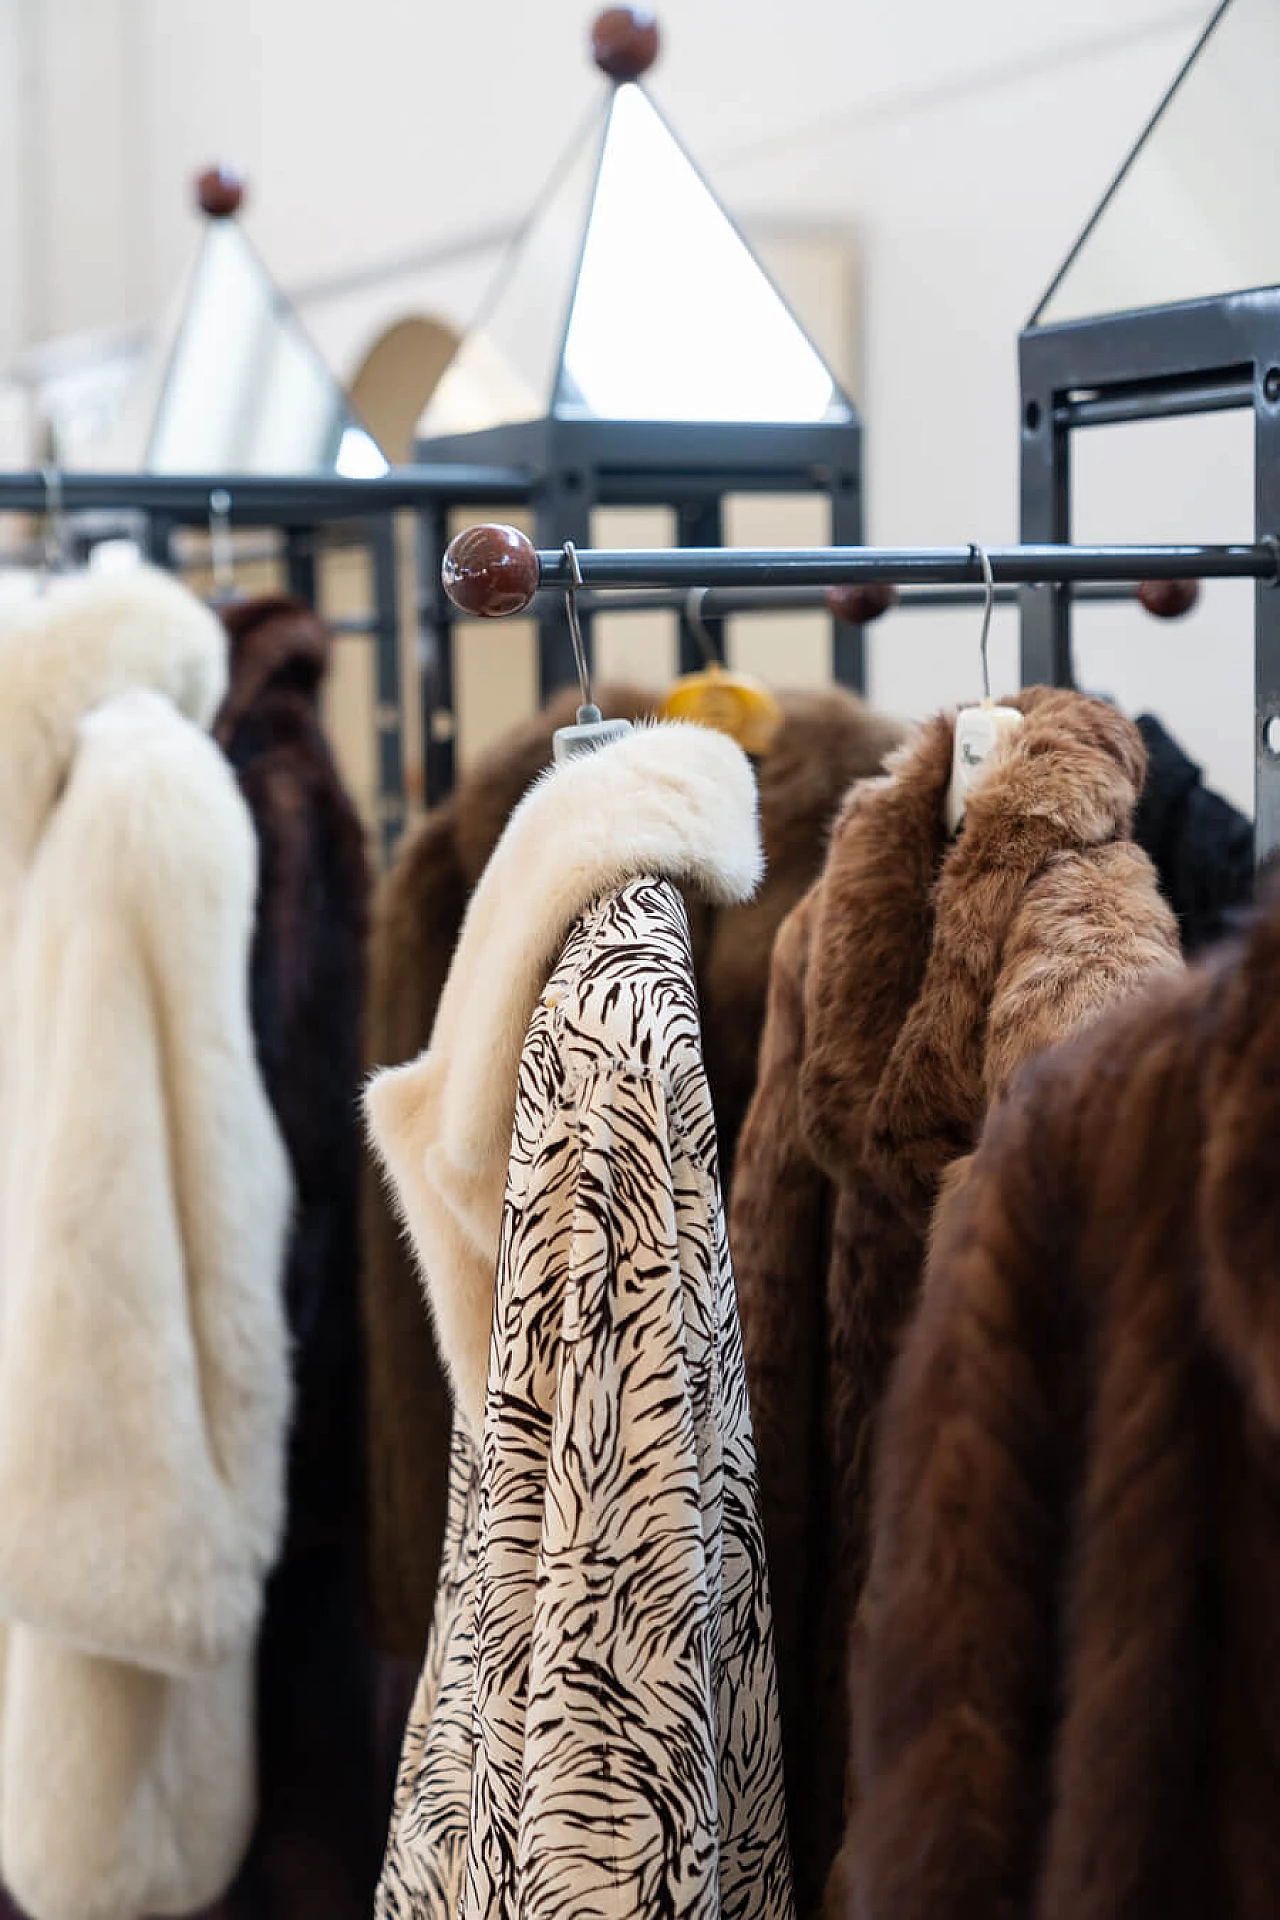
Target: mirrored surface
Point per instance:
(673, 318)
(232, 385)
(505, 370)
(631, 295)
(1192, 212)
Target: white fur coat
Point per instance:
(144, 1198)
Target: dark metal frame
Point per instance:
(307, 510)
(1194, 357)
(691, 467)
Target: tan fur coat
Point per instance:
(828, 740)
(907, 988)
(1072, 1657)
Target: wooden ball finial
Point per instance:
(219, 192)
(858, 602)
(624, 42)
(1168, 599)
(491, 571)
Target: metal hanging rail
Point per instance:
(720, 603)
(495, 570)
(264, 500)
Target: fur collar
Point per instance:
(89, 640)
(673, 800)
(911, 927)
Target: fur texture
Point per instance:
(827, 741)
(674, 801)
(907, 989)
(144, 1201)
(1069, 1680)
(1201, 846)
(322, 1817)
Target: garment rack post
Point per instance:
(1155, 363)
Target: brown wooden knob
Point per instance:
(859, 602)
(1168, 599)
(490, 571)
(219, 192)
(624, 42)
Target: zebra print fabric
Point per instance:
(595, 1731)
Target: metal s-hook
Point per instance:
(989, 587)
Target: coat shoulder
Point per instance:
(1091, 932)
(152, 804)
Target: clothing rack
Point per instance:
(492, 571)
(307, 511)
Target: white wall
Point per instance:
(960, 147)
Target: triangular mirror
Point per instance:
(631, 295)
(1189, 214)
(231, 384)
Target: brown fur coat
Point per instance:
(1072, 1693)
(907, 988)
(828, 740)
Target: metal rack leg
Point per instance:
(1266, 604)
(700, 523)
(158, 533)
(300, 562)
(848, 644)
(1045, 647)
(435, 658)
(388, 706)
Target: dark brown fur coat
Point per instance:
(828, 740)
(1071, 1701)
(320, 1810)
(907, 987)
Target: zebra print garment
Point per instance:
(595, 1731)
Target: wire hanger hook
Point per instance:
(592, 729)
(989, 588)
(696, 621)
(588, 711)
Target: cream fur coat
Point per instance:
(144, 1198)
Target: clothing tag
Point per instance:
(979, 731)
(570, 743)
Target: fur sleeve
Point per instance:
(954, 1655)
(417, 914)
(1092, 930)
(144, 1380)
